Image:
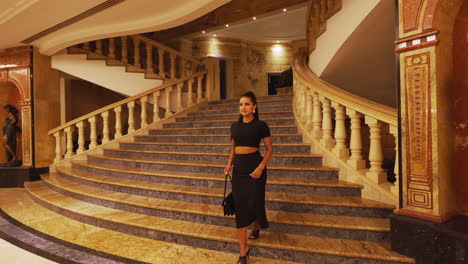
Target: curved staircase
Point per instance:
(156, 198)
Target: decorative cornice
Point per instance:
(99, 8)
(417, 41)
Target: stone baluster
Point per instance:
(136, 44)
(316, 117)
(58, 147)
(118, 122)
(69, 133)
(376, 172)
(173, 66)
(81, 138)
(168, 101)
(98, 47)
(162, 70)
(105, 128)
(92, 122)
(356, 161)
(156, 106)
(86, 46)
(149, 58)
(183, 72)
(396, 185)
(144, 114)
(112, 48)
(340, 149)
(131, 117)
(124, 49)
(190, 92)
(180, 107)
(199, 89)
(327, 125)
(308, 109)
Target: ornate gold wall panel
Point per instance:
(418, 134)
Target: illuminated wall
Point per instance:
(249, 62)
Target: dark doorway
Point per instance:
(274, 81)
(222, 77)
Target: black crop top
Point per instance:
(249, 134)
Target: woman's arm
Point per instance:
(231, 158)
(257, 173)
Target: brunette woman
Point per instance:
(249, 173)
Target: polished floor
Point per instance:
(11, 254)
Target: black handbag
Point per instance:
(228, 201)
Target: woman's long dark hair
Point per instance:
(253, 98)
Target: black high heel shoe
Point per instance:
(243, 259)
(255, 234)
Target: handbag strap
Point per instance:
(225, 183)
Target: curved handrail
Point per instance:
(360, 104)
(124, 101)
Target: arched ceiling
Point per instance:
(22, 20)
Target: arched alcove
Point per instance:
(9, 94)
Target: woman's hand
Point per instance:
(227, 169)
(257, 173)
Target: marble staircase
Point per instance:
(167, 187)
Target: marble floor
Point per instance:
(11, 254)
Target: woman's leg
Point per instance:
(242, 234)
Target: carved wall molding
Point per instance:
(418, 134)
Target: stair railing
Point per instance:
(126, 116)
(145, 55)
(327, 115)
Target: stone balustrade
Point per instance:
(125, 117)
(359, 133)
(144, 55)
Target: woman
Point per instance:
(9, 131)
(249, 171)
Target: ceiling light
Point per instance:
(203, 32)
(227, 25)
(277, 41)
(254, 18)
(214, 35)
(284, 10)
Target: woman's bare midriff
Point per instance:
(245, 150)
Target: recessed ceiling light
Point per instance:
(227, 25)
(214, 35)
(284, 10)
(203, 32)
(254, 18)
(277, 41)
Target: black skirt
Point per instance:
(249, 193)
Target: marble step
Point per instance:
(235, 110)
(263, 115)
(275, 184)
(291, 129)
(259, 99)
(219, 138)
(349, 227)
(17, 204)
(293, 202)
(297, 148)
(286, 247)
(227, 123)
(276, 159)
(262, 105)
(306, 172)
(50, 247)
